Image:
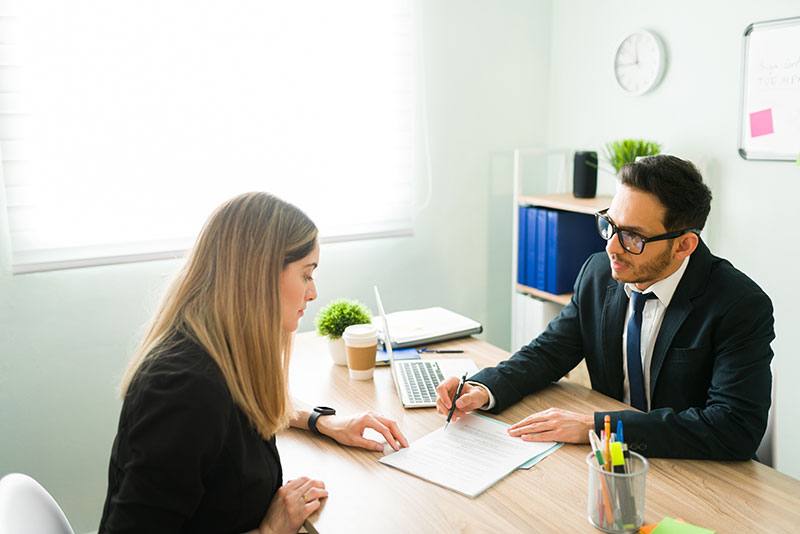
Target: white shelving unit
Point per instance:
(530, 319)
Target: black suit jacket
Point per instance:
(710, 379)
(186, 458)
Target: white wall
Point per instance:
(694, 114)
(65, 336)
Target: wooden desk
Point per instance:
(366, 496)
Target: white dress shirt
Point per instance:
(652, 317)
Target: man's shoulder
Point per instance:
(598, 265)
(728, 283)
(596, 272)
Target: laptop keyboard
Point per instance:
(420, 379)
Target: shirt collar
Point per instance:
(664, 289)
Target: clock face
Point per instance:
(639, 62)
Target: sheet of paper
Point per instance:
(469, 457)
(539, 457)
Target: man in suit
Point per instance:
(664, 325)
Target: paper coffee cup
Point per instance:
(361, 345)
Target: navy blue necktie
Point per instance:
(634, 345)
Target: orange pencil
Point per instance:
(606, 518)
(607, 443)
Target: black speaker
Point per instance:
(584, 175)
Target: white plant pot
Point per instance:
(336, 348)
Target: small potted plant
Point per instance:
(334, 318)
(620, 153)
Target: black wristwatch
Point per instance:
(316, 413)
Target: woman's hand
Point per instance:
(350, 430)
(291, 505)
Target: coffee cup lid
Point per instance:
(360, 332)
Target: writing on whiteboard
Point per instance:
(783, 74)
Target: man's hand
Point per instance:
(471, 398)
(554, 424)
(350, 430)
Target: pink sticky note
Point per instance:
(761, 122)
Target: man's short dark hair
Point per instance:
(678, 186)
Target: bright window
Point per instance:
(124, 123)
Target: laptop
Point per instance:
(416, 380)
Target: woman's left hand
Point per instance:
(350, 430)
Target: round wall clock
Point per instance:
(639, 62)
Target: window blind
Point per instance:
(124, 123)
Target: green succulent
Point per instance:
(620, 153)
(338, 315)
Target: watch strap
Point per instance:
(316, 413)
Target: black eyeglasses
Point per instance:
(631, 241)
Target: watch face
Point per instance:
(639, 62)
(324, 410)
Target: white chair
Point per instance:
(27, 508)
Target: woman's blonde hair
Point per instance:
(226, 298)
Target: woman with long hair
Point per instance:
(207, 389)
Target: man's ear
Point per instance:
(686, 244)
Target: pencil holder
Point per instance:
(616, 500)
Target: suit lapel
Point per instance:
(614, 307)
(692, 284)
(677, 311)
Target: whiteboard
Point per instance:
(769, 125)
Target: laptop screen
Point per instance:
(387, 338)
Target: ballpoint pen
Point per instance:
(440, 351)
(455, 398)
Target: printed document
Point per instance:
(469, 456)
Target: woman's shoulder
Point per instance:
(182, 371)
(177, 410)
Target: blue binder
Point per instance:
(522, 245)
(540, 279)
(571, 239)
(530, 249)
